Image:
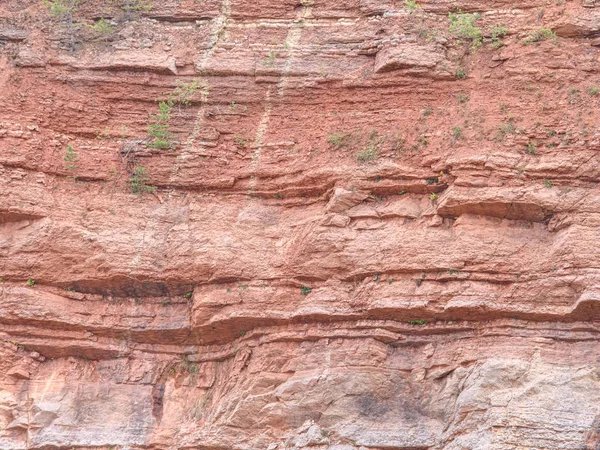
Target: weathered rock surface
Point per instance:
(365, 234)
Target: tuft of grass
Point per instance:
(31, 282)
(593, 91)
(504, 129)
(417, 322)
(461, 74)
(456, 132)
(239, 141)
(187, 295)
(433, 196)
(462, 98)
(531, 148)
(340, 140)
(411, 6)
(540, 35)
(70, 158)
(305, 290)
(367, 154)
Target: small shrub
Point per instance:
(432, 180)
(547, 183)
(70, 158)
(462, 98)
(540, 35)
(456, 132)
(411, 6)
(187, 295)
(497, 32)
(305, 290)
(159, 126)
(30, 282)
(102, 27)
(461, 74)
(593, 91)
(367, 154)
(340, 140)
(239, 141)
(64, 11)
(463, 26)
(138, 181)
(418, 322)
(433, 196)
(130, 6)
(504, 129)
(427, 111)
(531, 148)
(423, 140)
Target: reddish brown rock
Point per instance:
(362, 231)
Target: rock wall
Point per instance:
(355, 224)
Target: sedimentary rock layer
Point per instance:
(356, 226)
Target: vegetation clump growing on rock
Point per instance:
(139, 181)
(158, 129)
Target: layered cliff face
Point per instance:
(299, 224)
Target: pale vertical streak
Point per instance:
(291, 40)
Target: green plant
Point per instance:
(433, 196)
(270, 60)
(187, 295)
(540, 35)
(497, 32)
(427, 111)
(138, 181)
(461, 74)
(548, 183)
(531, 148)
(30, 282)
(339, 140)
(463, 27)
(411, 6)
(64, 11)
(432, 180)
(130, 6)
(103, 27)
(423, 140)
(397, 142)
(456, 132)
(593, 91)
(418, 322)
(239, 141)
(504, 129)
(2, 280)
(159, 126)
(70, 158)
(305, 290)
(369, 153)
(462, 98)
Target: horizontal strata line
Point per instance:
(416, 335)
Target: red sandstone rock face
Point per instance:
(365, 234)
